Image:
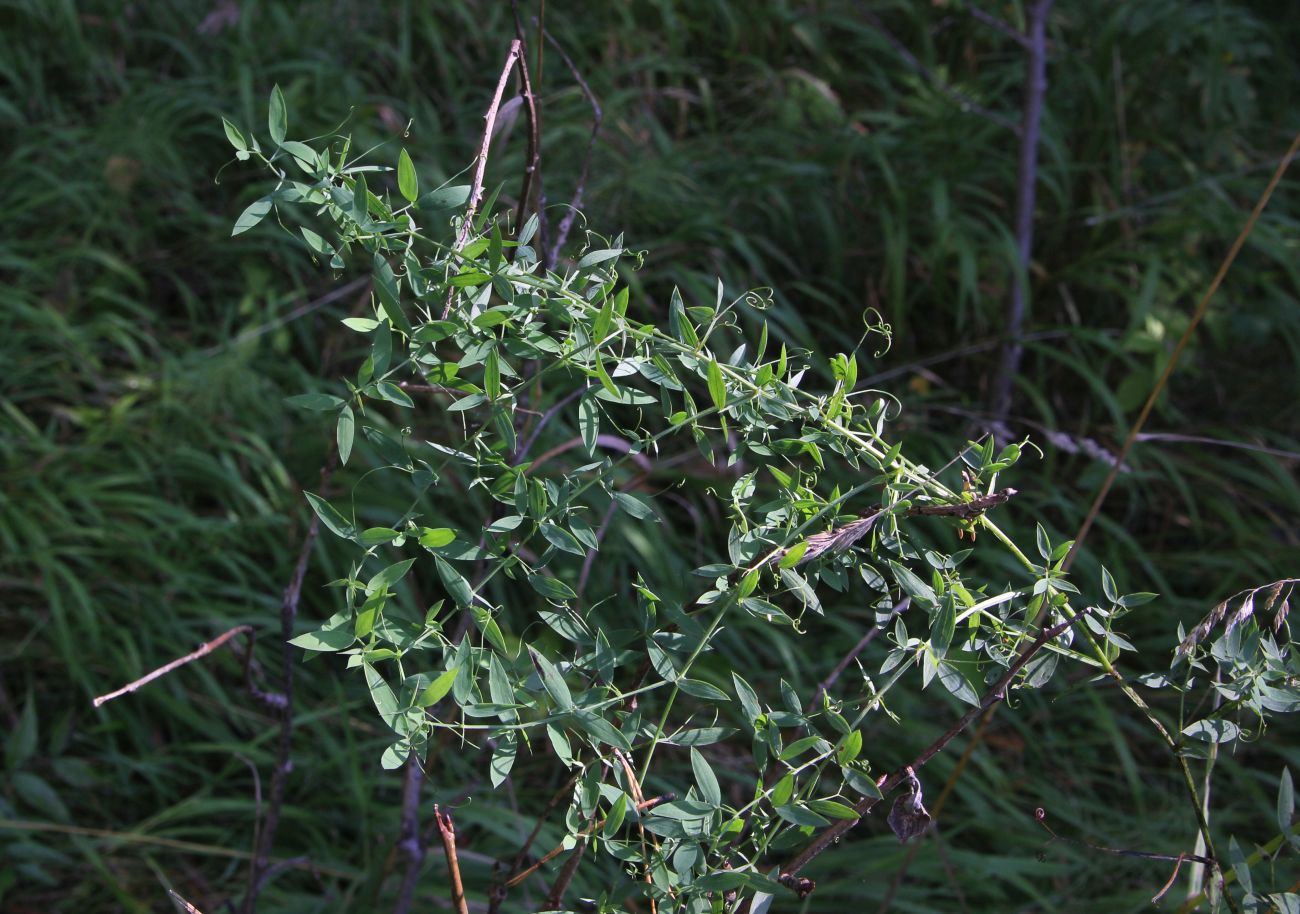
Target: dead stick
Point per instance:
(202, 651)
(410, 842)
(448, 831)
(476, 188)
(556, 895)
(1026, 194)
(284, 760)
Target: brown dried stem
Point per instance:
(476, 186)
(284, 763)
(1035, 44)
(201, 651)
(447, 829)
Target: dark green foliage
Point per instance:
(151, 469)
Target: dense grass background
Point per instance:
(150, 473)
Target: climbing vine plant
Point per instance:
(521, 359)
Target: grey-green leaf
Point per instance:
(552, 681)
(331, 518)
(277, 116)
(408, 184)
(705, 779)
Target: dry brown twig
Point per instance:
(447, 829)
(480, 167)
(201, 651)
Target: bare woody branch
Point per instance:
(447, 829)
(480, 167)
(1026, 194)
(201, 651)
(266, 833)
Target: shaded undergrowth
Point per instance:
(150, 472)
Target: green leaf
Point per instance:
(634, 506)
(552, 681)
(589, 422)
(489, 628)
(1108, 586)
(325, 639)
(1240, 866)
(595, 257)
(373, 536)
(705, 779)
(389, 299)
(492, 374)
(799, 747)
(408, 185)
(1213, 731)
(318, 402)
(614, 821)
(717, 387)
(381, 693)
(445, 198)
(345, 432)
(319, 246)
(434, 692)
(861, 783)
(360, 200)
(699, 689)
(833, 809)
(562, 539)
(600, 327)
(851, 748)
(331, 518)
(700, 736)
(1285, 801)
(551, 588)
(436, 537)
(956, 683)
(600, 729)
(253, 214)
(394, 394)
(21, 742)
(912, 585)
(801, 815)
(236, 138)
(560, 743)
(793, 555)
(389, 576)
(457, 587)
(748, 699)
(277, 116)
(304, 154)
(395, 755)
(782, 791)
(503, 759)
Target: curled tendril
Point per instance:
(880, 326)
(759, 299)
